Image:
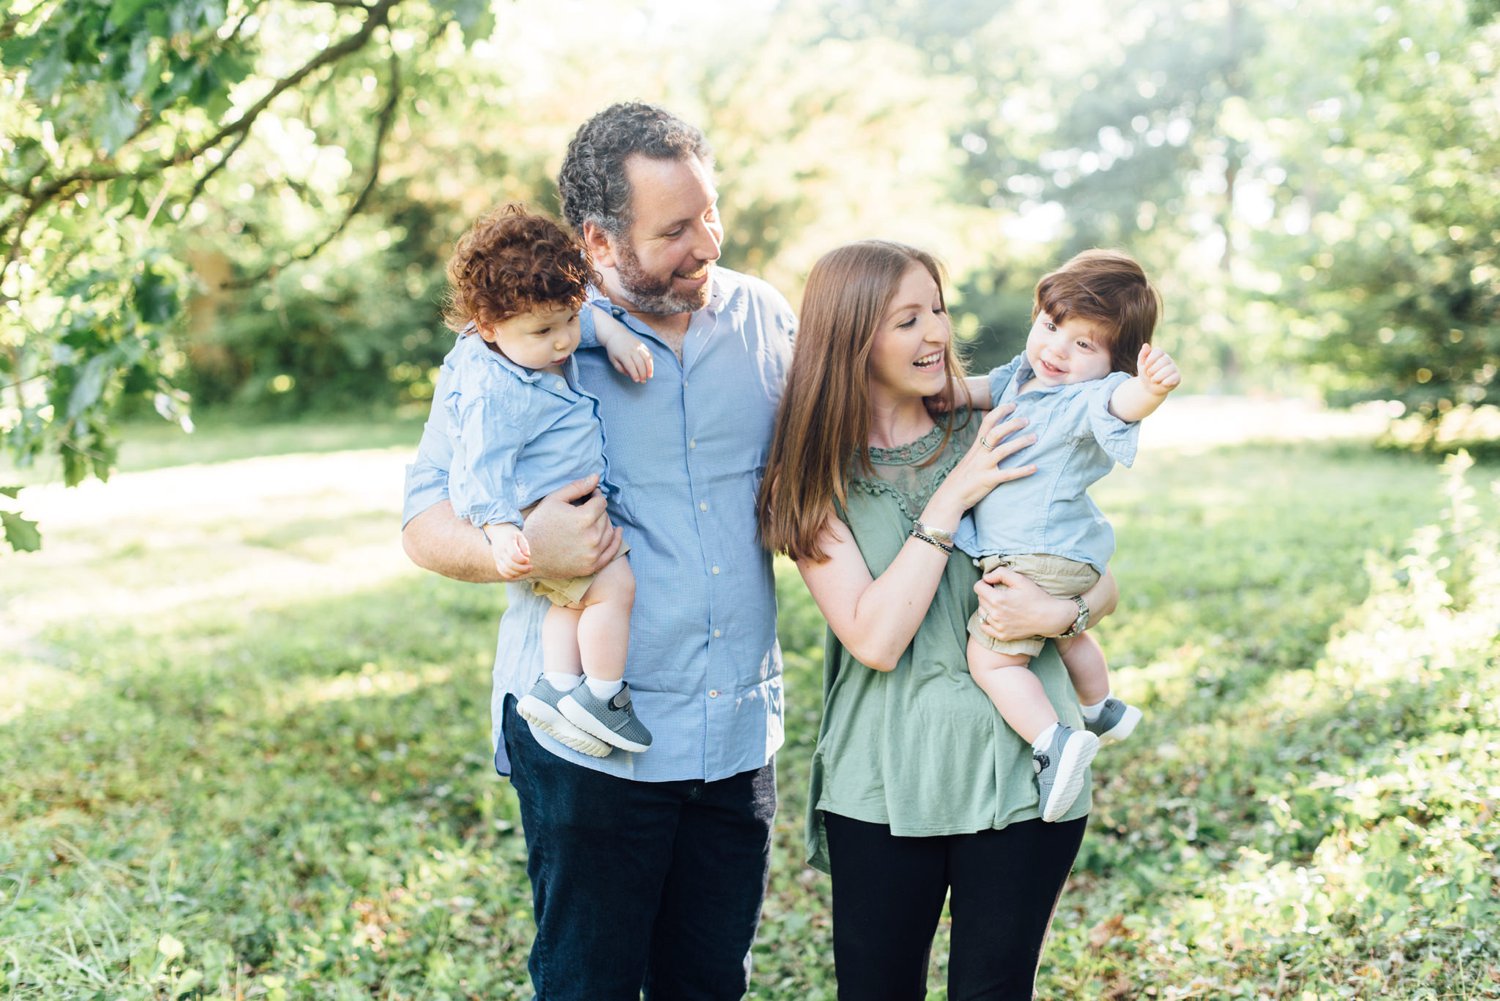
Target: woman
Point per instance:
(919, 788)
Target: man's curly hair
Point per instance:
(592, 181)
(511, 262)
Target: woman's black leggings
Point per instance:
(888, 895)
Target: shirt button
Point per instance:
(713, 693)
(717, 634)
(716, 569)
(692, 443)
(703, 505)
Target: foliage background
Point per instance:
(249, 203)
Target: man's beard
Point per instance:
(654, 296)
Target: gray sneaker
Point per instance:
(1060, 770)
(539, 708)
(1116, 721)
(612, 720)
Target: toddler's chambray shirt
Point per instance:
(517, 433)
(1077, 441)
(687, 450)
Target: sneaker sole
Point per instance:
(579, 717)
(546, 719)
(1070, 770)
(1124, 728)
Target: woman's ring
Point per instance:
(991, 445)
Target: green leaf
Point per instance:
(475, 17)
(90, 385)
(117, 122)
(187, 983)
(136, 63)
(154, 297)
(233, 67)
(11, 492)
(122, 12)
(20, 533)
(47, 74)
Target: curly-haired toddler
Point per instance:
(521, 428)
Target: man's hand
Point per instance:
(569, 540)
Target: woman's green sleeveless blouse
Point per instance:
(921, 748)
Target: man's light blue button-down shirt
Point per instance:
(517, 433)
(1078, 441)
(687, 450)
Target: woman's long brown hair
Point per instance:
(823, 424)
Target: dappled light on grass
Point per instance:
(368, 682)
(145, 548)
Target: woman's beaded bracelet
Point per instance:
(917, 533)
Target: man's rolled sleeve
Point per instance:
(485, 478)
(427, 476)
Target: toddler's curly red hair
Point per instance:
(511, 262)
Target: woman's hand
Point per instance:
(979, 472)
(1013, 607)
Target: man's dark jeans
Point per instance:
(640, 885)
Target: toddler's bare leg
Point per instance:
(560, 641)
(1089, 671)
(1009, 682)
(604, 626)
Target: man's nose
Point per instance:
(708, 238)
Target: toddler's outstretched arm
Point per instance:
(1138, 398)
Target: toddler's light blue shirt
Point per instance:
(687, 450)
(1078, 441)
(517, 433)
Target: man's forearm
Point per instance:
(441, 541)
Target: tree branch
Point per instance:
(378, 15)
(208, 174)
(382, 131)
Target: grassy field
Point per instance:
(246, 742)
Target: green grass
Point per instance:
(247, 755)
(220, 436)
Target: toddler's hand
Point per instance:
(1157, 370)
(631, 358)
(627, 352)
(511, 551)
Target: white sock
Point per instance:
(603, 689)
(1091, 713)
(562, 682)
(1044, 739)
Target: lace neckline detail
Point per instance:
(911, 453)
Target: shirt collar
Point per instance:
(520, 371)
